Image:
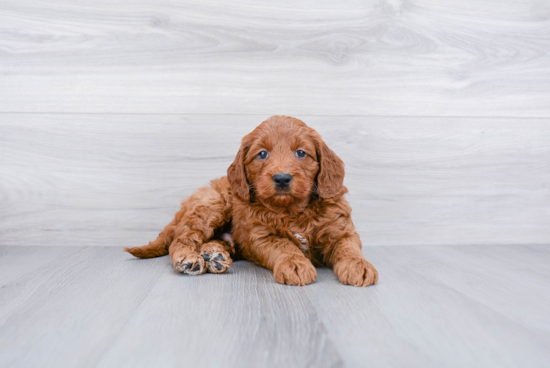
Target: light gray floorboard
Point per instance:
(118, 179)
(448, 306)
(72, 308)
(388, 57)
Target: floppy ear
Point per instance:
(237, 175)
(330, 179)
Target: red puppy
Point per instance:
(282, 201)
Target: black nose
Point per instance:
(282, 180)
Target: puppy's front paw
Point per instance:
(190, 263)
(216, 257)
(356, 272)
(294, 270)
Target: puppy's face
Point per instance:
(282, 162)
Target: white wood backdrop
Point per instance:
(117, 179)
(388, 57)
(112, 111)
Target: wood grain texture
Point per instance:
(118, 179)
(450, 306)
(111, 112)
(389, 57)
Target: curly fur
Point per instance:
(289, 231)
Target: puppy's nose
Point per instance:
(282, 180)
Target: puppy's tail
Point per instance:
(156, 248)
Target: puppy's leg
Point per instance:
(201, 214)
(349, 264)
(282, 256)
(184, 254)
(207, 210)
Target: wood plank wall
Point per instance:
(112, 111)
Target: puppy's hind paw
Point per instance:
(216, 257)
(191, 264)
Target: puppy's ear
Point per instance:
(236, 173)
(330, 179)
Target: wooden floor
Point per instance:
(451, 306)
(113, 111)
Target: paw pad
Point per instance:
(191, 265)
(216, 262)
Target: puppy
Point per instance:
(281, 206)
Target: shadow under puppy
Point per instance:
(281, 206)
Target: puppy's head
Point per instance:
(282, 163)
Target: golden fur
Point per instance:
(289, 230)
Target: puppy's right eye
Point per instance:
(262, 155)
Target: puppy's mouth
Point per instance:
(282, 192)
(282, 197)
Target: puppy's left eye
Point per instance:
(300, 154)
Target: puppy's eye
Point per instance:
(262, 155)
(300, 154)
